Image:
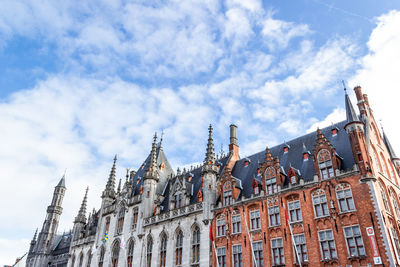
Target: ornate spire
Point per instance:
(119, 186)
(110, 187)
(81, 217)
(351, 115)
(152, 172)
(61, 183)
(34, 236)
(210, 155)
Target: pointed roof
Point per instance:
(110, 186)
(81, 217)
(210, 155)
(351, 115)
(152, 170)
(389, 146)
(34, 236)
(61, 183)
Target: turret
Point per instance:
(150, 181)
(80, 219)
(109, 192)
(209, 172)
(33, 242)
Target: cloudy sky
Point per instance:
(81, 81)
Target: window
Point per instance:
(228, 198)
(354, 241)
(395, 240)
(221, 227)
(236, 227)
(178, 249)
(301, 248)
(120, 222)
(255, 220)
(73, 261)
(163, 250)
(237, 255)
(295, 211)
(270, 181)
(89, 261)
(196, 245)
(107, 227)
(178, 200)
(325, 164)
(130, 253)
(395, 204)
(384, 197)
(149, 251)
(327, 244)
(278, 257)
(101, 257)
(258, 253)
(376, 159)
(345, 198)
(134, 218)
(274, 216)
(221, 257)
(320, 206)
(115, 254)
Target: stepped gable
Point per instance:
(192, 186)
(294, 157)
(137, 180)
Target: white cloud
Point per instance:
(9, 248)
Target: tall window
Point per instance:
(325, 164)
(278, 257)
(89, 261)
(196, 245)
(270, 181)
(386, 170)
(134, 218)
(320, 204)
(355, 245)
(178, 249)
(115, 254)
(130, 253)
(376, 159)
(178, 200)
(274, 216)
(396, 240)
(101, 257)
(327, 244)
(395, 203)
(221, 227)
(120, 222)
(384, 197)
(258, 253)
(255, 219)
(227, 198)
(163, 250)
(221, 257)
(345, 198)
(149, 250)
(73, 261)
(236, 227)
(295, 211)
(80, 260)
(237, 255)
(301, 248)
(107, 227)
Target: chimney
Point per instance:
(233, 146)
(233, 136)
(359, 93)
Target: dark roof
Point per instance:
(350, 113)
(389, 146)
(61, 183)
(294, 157)
(61, 244)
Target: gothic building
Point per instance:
(327, 198)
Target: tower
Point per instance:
(150, 181)
(209, 172)
(109, 192)
(80, 219)
(41, 250)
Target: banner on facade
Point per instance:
(374, 245)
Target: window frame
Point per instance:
(276, 215)
(354, 238)
(281, 252)
(331, 257)
(296, 211)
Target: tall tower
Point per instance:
(209, 172)
(45, 241)
(109, 192)
(80, 219)
(150, 181)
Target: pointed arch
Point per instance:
(385, 201)
(149, 250)
(271, 186)
(80, 264)
(386, 170)
(195, 243)
(121, 218)
(73, 261)
(376, 158)
(115, 253)
(163, 248)
(101, 256)
(89, 258)
(178, 246)
(131, 246)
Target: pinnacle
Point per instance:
(210, 155)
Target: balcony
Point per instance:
(172, 214)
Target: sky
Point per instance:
(81, 81)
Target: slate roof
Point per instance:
(61, 244)
(294, 157)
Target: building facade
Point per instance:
(328, 198)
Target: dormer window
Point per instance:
(305, 156)
(162, 166)
(334, 131)
(270, 181)
(325, 164)
(178, 200)
(285, 149)
(293, 179)
(246, 162)
(256, 190)
(228, 194)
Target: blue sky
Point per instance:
(80, 82)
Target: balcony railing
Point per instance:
(184, 211)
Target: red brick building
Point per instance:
(337, 187)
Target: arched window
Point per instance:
(178, 198)
(325, 164)
(227, 194)
(384, 197)
(130, 253)
(120, 222)
(270, 181)
(375, 130)
(178, 248)
(149, 251)
(196, 245)
(101, 257)
(89, 257)
(395, 203)
(163, 250)
(320, 203)
(73, 261)
(344, 197)
(115, 254)
(386, 170)
(80, 260)
(376, 159)
(392, 169)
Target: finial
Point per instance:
(344, 87)
(119, 186)
(210, 156)
(161, 137)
